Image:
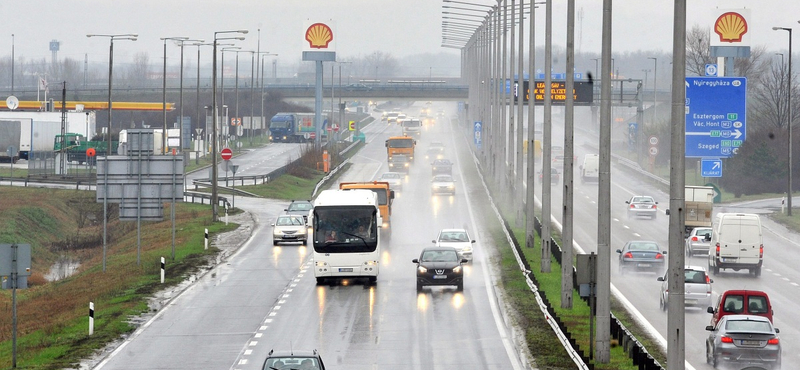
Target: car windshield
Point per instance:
(300, 207)
(441, 162)
(391, 176)
(443, 178)
(454, 236)
(289, 221)
(748, 326)
(439, 256)
(642, 200)
(643, 246)
(293, 362)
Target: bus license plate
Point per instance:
(348, 269)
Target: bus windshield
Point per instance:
(401, 143)
(345, 229)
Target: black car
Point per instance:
(555, 176)
(440, 266)
(300, 208)
(299, 360)
(399, 163)
(641, 255)
(435, 150)
(441, 167)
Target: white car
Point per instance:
(697, 288)
(443, 184)
(458, 239)
(395, 179)
(289, 228)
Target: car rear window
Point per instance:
(757, 304)
(748, 325)
(733, 304)
(695, 277)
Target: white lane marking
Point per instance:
(794, 284)
(262, 328)
(248, 352)
(776, 274)
(253, 343)
(243, 362)
(786, 279)
(258, 335)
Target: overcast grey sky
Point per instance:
(398, 27)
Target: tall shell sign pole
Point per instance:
(319, 36)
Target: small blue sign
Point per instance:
(478, 127)
(711, 70)
(716, 111)
(711, 168)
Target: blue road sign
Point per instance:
(711, 70)
(716, 110)
(478, 128)
(711, 168)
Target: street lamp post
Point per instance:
(789, 122)
(214, 198)
(655, 79)
(164, 89)
(197, 93)
(12, 64)
(180, 115)
(222, 80)
(126, 36)
(261, 86)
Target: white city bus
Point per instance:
(346, 238)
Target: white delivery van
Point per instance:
(590, 169)
(736, 243)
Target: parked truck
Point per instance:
(10, 131)
(385, 197)
(37, 130)
(77, 145)
(292, 127)
(699, 206)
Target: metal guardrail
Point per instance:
(191, 196)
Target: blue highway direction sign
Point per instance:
(478, 128)
(711, 168)
(716, 110)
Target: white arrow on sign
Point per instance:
(736, 133)
(716, 165)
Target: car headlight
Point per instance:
(467, 249)
(406, 164)
(422, 270)
(276, 232)
(457, 269)
(451, 186)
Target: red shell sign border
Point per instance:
(319, 36)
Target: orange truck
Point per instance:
(401, 145)
(385, 196)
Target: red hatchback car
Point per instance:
(741, 302)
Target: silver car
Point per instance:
(699, 240)
(744, 340)
(289, 228)
(697, 288)
(395, 179)
(458, 239)
(443, 184)
(642, 205)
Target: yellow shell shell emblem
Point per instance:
(730, 27)
(319, 35)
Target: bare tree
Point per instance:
(140, 68)
(698, 50)
(768, 106)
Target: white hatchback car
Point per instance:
(458, 239)
(697, 288)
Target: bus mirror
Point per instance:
(391, 194)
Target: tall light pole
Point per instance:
(124, 36)
(789, 121)
(655, 79)
(227, 123)
(214, 198)
(12, 64)
(180, 117)
(261, 86)
(164, 89)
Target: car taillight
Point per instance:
(774, 341)
(717, 249)
(628, 255)
(708, 280)
(761, 251)
(632, 206)
(654, 206)
(694, 238)
(659, 256)
(726, 339)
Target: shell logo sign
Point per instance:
(319, 36)
(730, 27)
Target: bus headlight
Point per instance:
(320, 263)
(385, 225)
